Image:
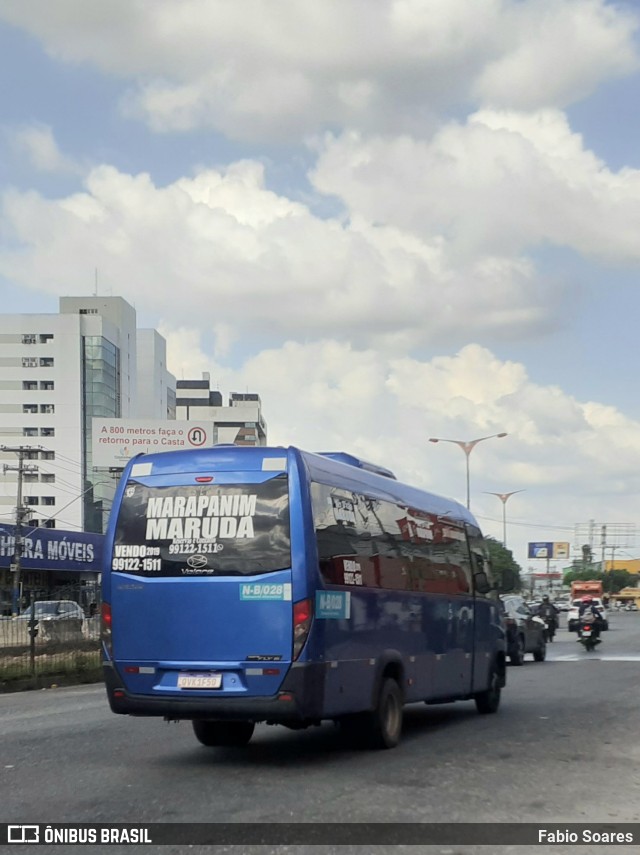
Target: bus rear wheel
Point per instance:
(487, 702)
(384, 723)
(218, 733)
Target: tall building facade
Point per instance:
(58, 372)
(240, 423)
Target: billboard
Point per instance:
(52, 549)
(116, 441)
(549, 549)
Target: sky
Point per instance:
(393, 221)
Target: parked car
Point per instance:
(572, 616)
(46, 610)
(631, 607)
(56, 620)
(525, 631)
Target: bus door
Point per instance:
(454, 611)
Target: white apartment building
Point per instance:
(58, 372)
(240, 423)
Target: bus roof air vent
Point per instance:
(351, 460)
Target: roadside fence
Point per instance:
(54, 639)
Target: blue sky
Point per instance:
(430, 230)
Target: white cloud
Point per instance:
(223, 248)
(498, 184)
(255, 73)
(38, 143)
(431, 248)
(575, 460)
(556, 53)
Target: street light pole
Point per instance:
(503, 498)
(468, 447)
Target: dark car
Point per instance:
(525, 631)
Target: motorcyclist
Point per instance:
(589, 610)
(549, 614)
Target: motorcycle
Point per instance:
(588, 635)
(550, 628)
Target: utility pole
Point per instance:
(20, 450)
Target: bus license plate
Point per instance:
(199, 681)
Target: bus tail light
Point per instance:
(302, 617)
(105, 627)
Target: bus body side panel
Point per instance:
(383, 626)
(431, 635)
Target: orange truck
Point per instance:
(583, 589)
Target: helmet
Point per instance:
(545, 598)
(587, 599)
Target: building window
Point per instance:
(29, 338)
(30, 455)
(32, 500)
(29, 408)
(47, 432)
(47, 408)
(33, 522)
(45, 337)
(29, 361)
(46, 362)
(49, 524)
(47, 455)
(30, 477)
(101, 380)
(29, 385)
(48, 478)
(46, 385)
(87, 311)
(29, 431)
(48, 500)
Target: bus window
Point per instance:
(238, 529)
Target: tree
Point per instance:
(502, 559)
(612, 581)
(582, 574)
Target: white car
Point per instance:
(572, 615)
(47, 610)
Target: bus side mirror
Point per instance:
(480, 579)
(482, 583)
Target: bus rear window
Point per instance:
(203, 530)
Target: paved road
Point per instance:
(562, 748)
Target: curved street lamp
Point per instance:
(503, 498)
(468, 447)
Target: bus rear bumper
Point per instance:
(299, 699)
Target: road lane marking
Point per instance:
(601, 657)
